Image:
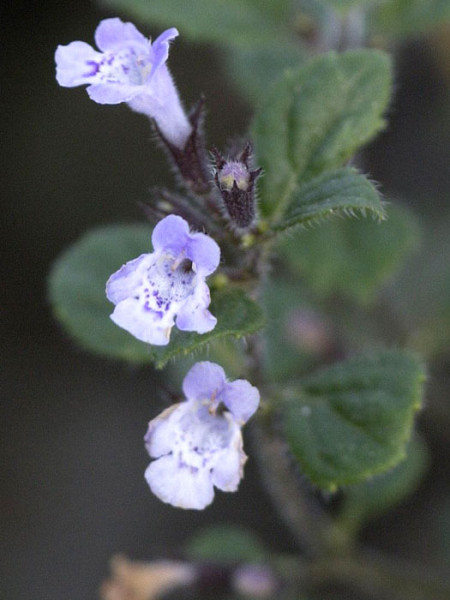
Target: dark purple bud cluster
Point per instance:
(236, 183)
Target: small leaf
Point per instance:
(237, 22)
(406, 17)
(371, 498)
(353, 420)
(225, 544)
(77, 292)
(344, 191)
(350, 257)
(316, 117)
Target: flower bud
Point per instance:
(236, 183)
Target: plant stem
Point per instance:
(302, 514)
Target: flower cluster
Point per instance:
(198, 442)
(152, 290)
(128, 69)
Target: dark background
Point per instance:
(73, 491)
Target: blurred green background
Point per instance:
(73, 491)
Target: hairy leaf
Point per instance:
(344, 191)
(370, 498)
(353, 420)
(316, 117)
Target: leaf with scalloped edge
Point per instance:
(315, 118)
(378, 494)
(344, 192)
(353, 420)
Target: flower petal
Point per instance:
(204, 252)
(124, 282)
(160, 47)
(112, 93)
(241, 398)
(114, 34)
(146, 325)
(193, 314)
(72, 64)
(203, 380)
(160, 433)
(180, 486)
(170, 234)
(228, 470)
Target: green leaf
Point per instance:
(377, 495)
(406, 17)
(353, 258)
(353, 420)
(344, 191)
(315, 118)
(231, 22)
(225, 544)
(77, 292)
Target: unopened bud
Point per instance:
(236, 183)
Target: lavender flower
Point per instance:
(153, 289)
(198, 442)
(129, 69)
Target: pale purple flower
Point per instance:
(128, 68)
(198, 443)
(157, 290)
